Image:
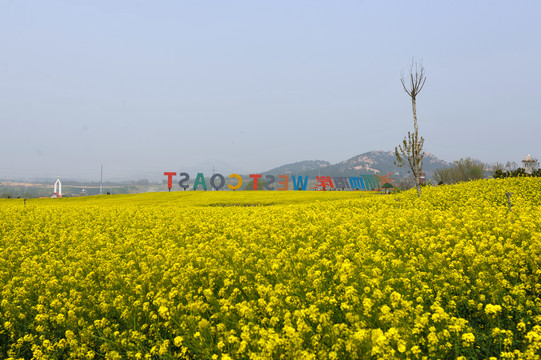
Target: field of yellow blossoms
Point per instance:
(274, 275)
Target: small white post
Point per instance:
(58, 186)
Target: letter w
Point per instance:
(299, 183)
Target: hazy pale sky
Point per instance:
(144, 87)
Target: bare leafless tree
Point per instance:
(411, 152)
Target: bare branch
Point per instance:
(404, 85)
(417, 80)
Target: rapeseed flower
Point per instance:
(304, 275)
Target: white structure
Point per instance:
(529, 163)
(58, 187)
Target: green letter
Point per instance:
(199, 180)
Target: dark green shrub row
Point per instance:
(501, 174)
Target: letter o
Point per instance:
(222, 181)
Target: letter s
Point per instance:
(183, 180)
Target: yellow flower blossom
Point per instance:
(262, 275)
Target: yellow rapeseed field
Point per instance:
(274, 275)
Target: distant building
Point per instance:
(388, 188)
(529, 164)
(57, 192)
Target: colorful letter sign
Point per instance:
(218, 182)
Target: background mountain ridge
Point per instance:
(368, 163)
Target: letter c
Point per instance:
(239, 182)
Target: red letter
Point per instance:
(255, 177)
(170, 179)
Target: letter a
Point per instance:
(199, 180)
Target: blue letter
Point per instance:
(298, 183)
(357, 182)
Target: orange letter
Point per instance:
(236, 186)
(284, 182)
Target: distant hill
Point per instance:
(373, 162)
(301, 167)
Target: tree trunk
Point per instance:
(416, 160)
(413, 106)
